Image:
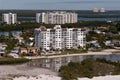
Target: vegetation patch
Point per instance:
(73, 51)
(8, 61)
(27, 26)
(89, 68)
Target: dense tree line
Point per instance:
(87, 24)
(118, 26)
(26, 26)
(8, 61)
(21, 27)
(9, 41)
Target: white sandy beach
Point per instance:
(115, 77)
(50, 77)
(8, 71)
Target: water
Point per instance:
(14, 33)
(107, 57)
(98, 19)
(56, 62)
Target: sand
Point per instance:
(49, 77)
(8, 71)
(24, 72)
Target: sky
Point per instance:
(60, 4)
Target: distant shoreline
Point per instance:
(105, 52)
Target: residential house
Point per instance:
(2, 49)
(29, 51)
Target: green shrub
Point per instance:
(88, 68)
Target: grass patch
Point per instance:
(8, 61)
(73, 51)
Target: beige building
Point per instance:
(30, 50)
(23, 50)
(95, 10)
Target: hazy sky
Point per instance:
(60, 4)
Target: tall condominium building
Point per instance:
(9, 18)
(56, 17)
(95, 10)
(60, 38)
(102, 10)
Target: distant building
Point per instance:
(99, 10)
(95, 10)
(9, 18)
(102, 10)
(56, 17)
(60, 38)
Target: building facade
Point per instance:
(102, 10)
(95, 10)
(60, 38)
(9, 18)
(56, 17)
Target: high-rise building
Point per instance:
(95, 10)
(99, 10)
(9, 18)
(56, 17)
(102, 10)
(60, 38)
